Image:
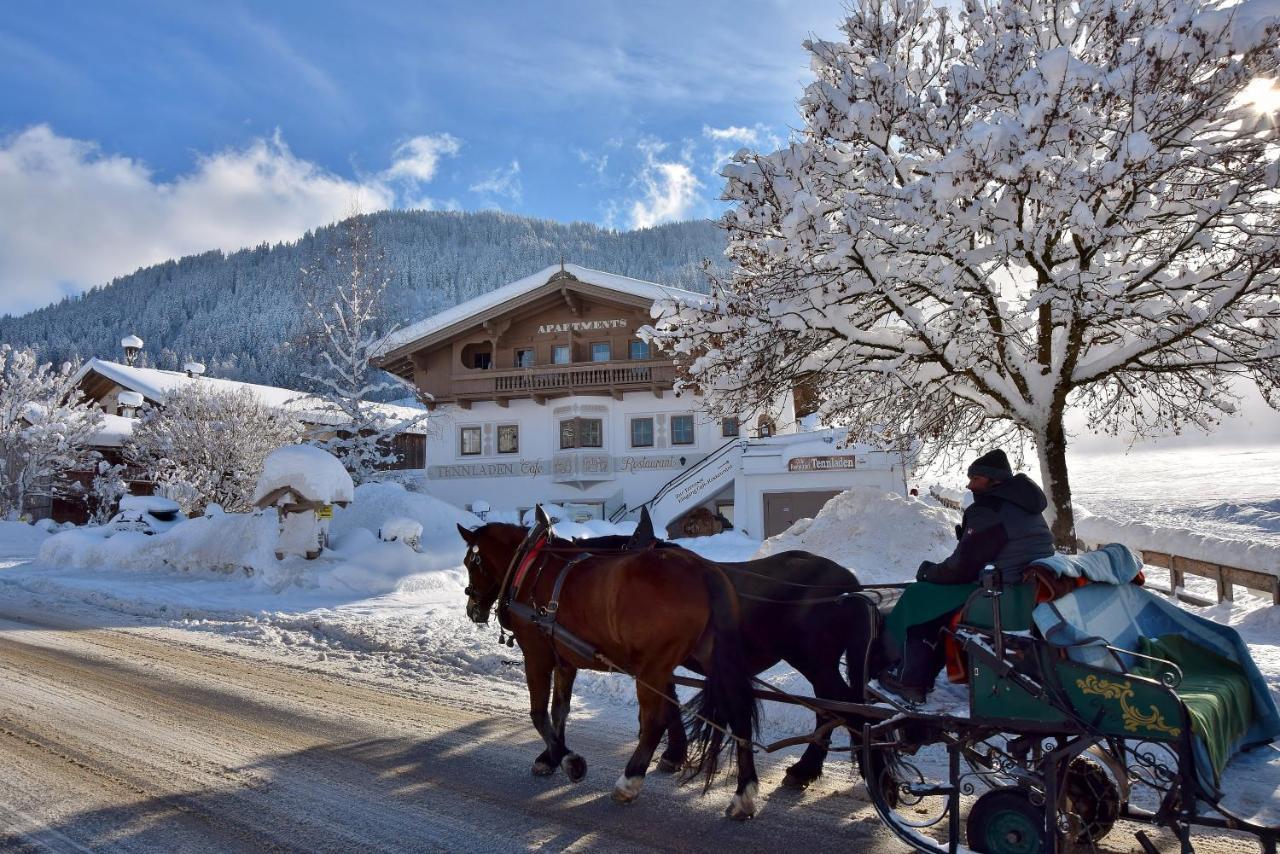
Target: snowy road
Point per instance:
(128, 739)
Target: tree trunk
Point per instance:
(1052, 447)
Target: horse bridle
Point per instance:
(473, 561)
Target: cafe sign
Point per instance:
(821, 464)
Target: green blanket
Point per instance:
(1214, 689)
(922, 602)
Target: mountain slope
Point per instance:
(241, 313)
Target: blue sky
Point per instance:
(135, 131)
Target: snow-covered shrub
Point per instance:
(46, 426)
(206, 445)
(106, 490)
(401, 530)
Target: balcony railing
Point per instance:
(553, 378)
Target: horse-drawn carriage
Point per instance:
(1064, 730)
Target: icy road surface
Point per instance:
(131, 739)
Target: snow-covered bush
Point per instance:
(46, 426)
(207, 445)
(1001, 209)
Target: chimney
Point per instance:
(132, 344)
(193, 369)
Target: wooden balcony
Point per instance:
(543, 381)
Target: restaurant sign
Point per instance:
(821, 464)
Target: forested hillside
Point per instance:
(242, 314)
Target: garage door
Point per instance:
(782, 509)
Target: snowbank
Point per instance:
(1245, 554)
(18, 539)
(881, 536)
(375, 503)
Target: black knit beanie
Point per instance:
(992, 464)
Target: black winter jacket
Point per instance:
(1004, 526)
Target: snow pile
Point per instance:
(1245, 554)
(18, 539)
(881, 536)
(402, 530)
(375, 503)
(309, 471)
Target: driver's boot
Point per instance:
(915, 675)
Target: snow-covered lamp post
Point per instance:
(303, 483)
(132, 345)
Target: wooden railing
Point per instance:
(1180, 566)
(564, 377)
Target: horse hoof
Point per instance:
(743, 806)
(797, 781)
(627, 789)
(669, 766)
(542, 769)
(575, 767)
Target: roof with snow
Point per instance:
(156, 385)
(524, 290)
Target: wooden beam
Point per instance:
(501, 401)
(657, 392)
(571, 300)
(464, 404)
(617, 393)
(540, 399)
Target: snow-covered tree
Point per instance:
(993, 215)
(46, 426)
(206, 445)
(348, 318)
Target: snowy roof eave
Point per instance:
(155, 385)
(463, 313)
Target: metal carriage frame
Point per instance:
(1046, 734)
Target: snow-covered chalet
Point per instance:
(542, 392)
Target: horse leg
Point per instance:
(653, 720)
(744, 804)
(673, 758)
(537, 674)
(573, 764)
(827, 685)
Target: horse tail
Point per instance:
(727, 701)
(863, 655)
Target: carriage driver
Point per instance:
(1004, 526)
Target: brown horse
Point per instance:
(643, 612)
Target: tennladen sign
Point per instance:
(821, 464)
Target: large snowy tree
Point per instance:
(348, 318)
(46, 426)
(205, 445)
(993, 215)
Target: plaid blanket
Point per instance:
(1112, 564)
(1123, 615)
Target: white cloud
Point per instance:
(418, 159)
(670, 189)
(741, 135)
(502, 182)
(74, 217)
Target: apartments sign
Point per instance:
(582, 326)
(821, 464)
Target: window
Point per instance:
(600, 351)
(682, 429)
(729, 427)
(469, 441)
(560, 355)
(581, 433)
(481, 360)
(642, 432)
(639, 349)
(508, 438)
(524, 358)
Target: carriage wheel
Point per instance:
(1004, 821)
(1090, 793)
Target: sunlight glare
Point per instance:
(1262, 95)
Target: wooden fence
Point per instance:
(1180, 566)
